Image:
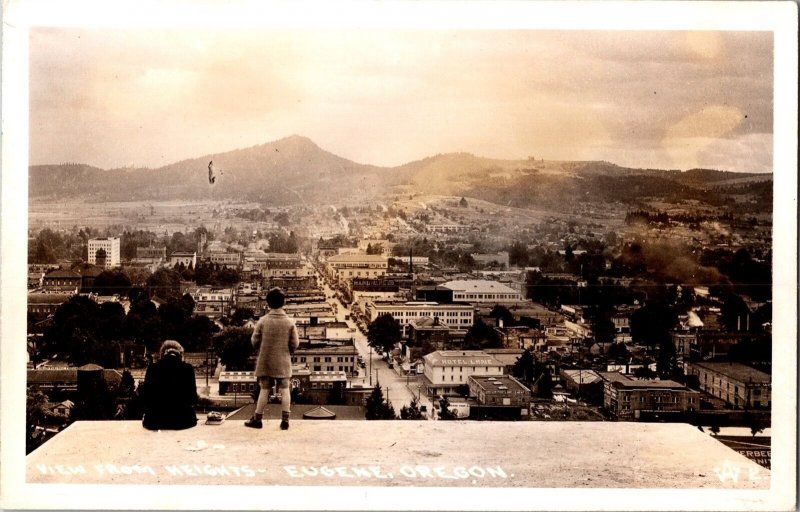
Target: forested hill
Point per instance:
(295, 170)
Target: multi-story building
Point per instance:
(151, 253)
(188, 259)
(104, 249)
(629, 399)
(62, 280)
(377, 289)
(310, 312)
(739, 385)
(502, 390)
(327, 357)
(482, 291)
(212, 302)
(448, 228)
(343, 267)
(457, 316)
(225, 259)
(445, 370)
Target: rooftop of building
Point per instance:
(624, 380)
(500, 382)
(736, 371)
(48, 298)
(355, 257)
(62, 273)
(460, 358)
(419, 304)
(479, 286)
(581, 376)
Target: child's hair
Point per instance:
(275, 298)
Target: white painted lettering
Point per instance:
(440, 472)
(342, 472)
(408, 472)
(292, 471)
(173, 470)
(477, 472)
(424, 471)
(310, 470)
(496, 471)
(376, 471)
(326, 471)
(361, 472)
(188, 470)
(460, 472)
(246, 471)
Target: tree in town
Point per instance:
(242, 315)
(110, 318)
(112, 282)
(411, 411)
(137, 275)
(445, 412)
(667, 361)
(37, 409)
(518, 254)
(164, 283)
(377, 407)
(501, 312)
(196, 333)
(734, 312)
(652, 323)
(618, 351)
(481, 336)
(143, 325)
(644, 372)
(524, 367)
(83, 347)
(755, 423)
(173, 315)
(234, 348)
(384, 333)
(544, 383)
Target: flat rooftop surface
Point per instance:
(396, 453)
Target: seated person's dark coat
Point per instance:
(169, 393)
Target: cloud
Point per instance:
(116, 97)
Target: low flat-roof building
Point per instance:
(502, 390)
(482, 291)
(187, 259)
(739, 385)
(343, 267)
(43, 304)
(628, 398)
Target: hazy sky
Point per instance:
(118, 97)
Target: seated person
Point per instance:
(169, 391)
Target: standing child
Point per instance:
(275, 338)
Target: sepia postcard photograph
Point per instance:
(399, 256)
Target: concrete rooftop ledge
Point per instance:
(397, 453)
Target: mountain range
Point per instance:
(295, 170)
